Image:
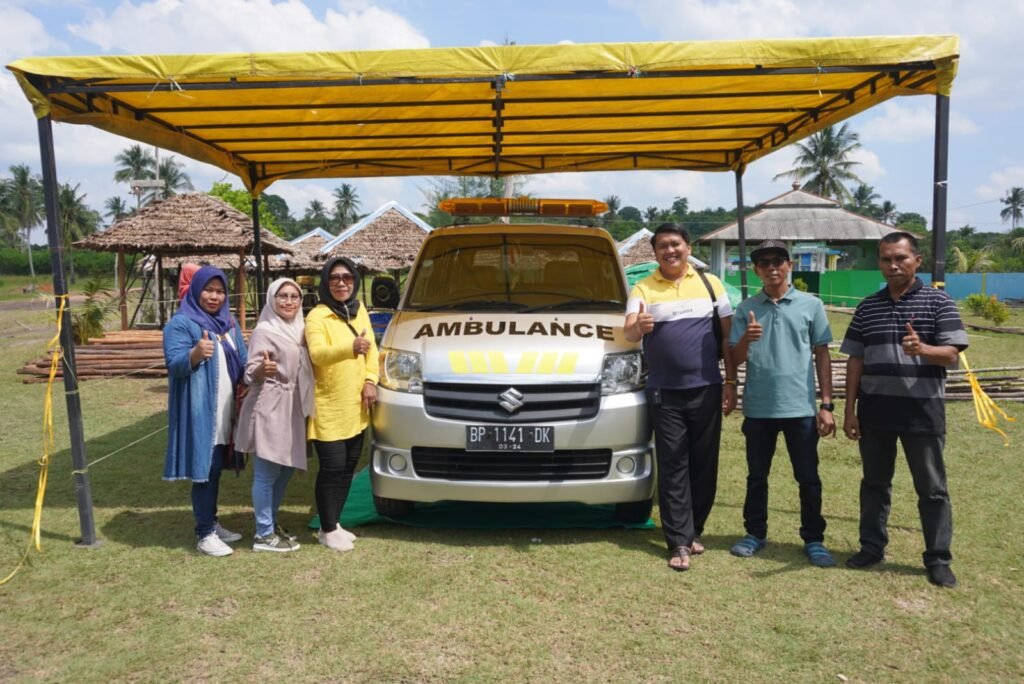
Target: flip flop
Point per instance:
(682, 553)
(748, 546)
(696, 546)
(818, 555)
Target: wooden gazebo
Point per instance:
(386, 240)
(192, 224)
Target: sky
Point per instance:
(986, 145)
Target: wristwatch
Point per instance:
(828, 406)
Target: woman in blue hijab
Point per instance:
(205, 356)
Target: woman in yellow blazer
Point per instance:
(344, 355)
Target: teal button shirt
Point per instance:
(780, 366)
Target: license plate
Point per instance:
(527, 438)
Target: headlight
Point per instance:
(622, 373)
(401, 370)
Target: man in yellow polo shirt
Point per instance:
(672, 311)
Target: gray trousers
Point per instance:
(924, 457)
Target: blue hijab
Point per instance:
(218, 324)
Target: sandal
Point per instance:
(696, 546)
(679, 559)
(748, 546)
(818, 555)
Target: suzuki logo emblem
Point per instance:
(511, 400)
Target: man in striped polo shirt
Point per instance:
(900, 342)
(672, 311)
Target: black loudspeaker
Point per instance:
(384, 292)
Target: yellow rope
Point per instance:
(35, 538)
(984, 408)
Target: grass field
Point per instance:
(419, 605)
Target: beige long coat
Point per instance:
(270, 423)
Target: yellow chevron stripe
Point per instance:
(458, 362)
(497, 362)
(526, 362)
(567, 364)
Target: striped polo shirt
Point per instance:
(681, 351)
(899, 392)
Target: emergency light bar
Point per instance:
(522, 206)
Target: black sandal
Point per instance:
(683, 554)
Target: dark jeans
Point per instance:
(333, 480)
(687, 434)
(204, 495)
(924, 456)
(801, 436)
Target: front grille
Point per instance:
(456, 464)
(541, 403)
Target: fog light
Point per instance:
(625, 465)
(397, 462)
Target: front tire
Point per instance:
(634, 512)
(393, 508)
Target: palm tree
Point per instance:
(1014, 210)
(651, 215)
(76, 220)
(887, 212)
(824, 162)
(346, 202)
(134, 163)
(316, 214)
(863, 202)
(175, 180)
(614, 204)
(24, 200)
(967, 260)
(116, 208)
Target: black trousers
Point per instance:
(687, 435)
(337, 463)
(928, 470)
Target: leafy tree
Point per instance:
(242, 201)
(116, 209)
(346, 204)
(651, 216)
(912, 222)
(680, 207)
(446, 187)
(277, 207)
(824, 162)
(863, 200)
(23, 204)
(1014, 210)
(631, 214)
(77, 220)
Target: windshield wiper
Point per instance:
(580, 304)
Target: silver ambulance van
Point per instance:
(505, 376)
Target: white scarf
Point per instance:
(292, 331)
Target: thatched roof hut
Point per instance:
(387, 239)
(636, 249)
(192, 225)
(307, 256)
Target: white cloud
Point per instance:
(179, 26)
(23, 35)
(898, 122)
(677, 19)
(640, 189)
(1000, 181)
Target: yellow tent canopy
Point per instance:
(705, 106)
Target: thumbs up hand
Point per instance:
(360, 345)
(267, 367)
(754, 329)
(205, 346)
(644, 320)
(911, 342)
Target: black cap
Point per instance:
(768, 246)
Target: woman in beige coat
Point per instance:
(272, 421)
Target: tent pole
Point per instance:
(160, 289)
(122, 302)
(257, 251)
(240, 288)
(939, 191)
(83, 489)
(742, 231)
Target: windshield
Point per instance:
(517, 273)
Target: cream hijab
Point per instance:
(292, 331)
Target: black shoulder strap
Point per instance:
(716, 320)
(707, 284)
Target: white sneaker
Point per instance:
(274, 544)
(336, 541)
(226, 535)
(348, 535)
(211, 545)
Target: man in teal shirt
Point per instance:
(782, 334)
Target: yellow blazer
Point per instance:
(339, 373)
